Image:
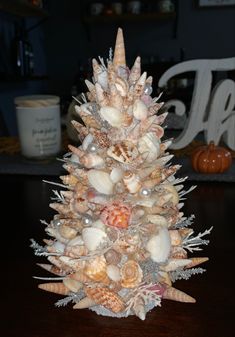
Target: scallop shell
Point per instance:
(106, 298)
(124, 152)
(101, 181)
(93, 237)
(159, 246)
(116, 214)
(55, 287)
(95, 269)
(131, 274)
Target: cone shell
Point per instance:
(131, 274)
(196, 261)
(116, 214)
(55, 287)
(177, 295)
(106, 298)
(86, 302)
(119, 58)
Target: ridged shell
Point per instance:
(149, 147)
(177, 295)
(54, 287)
(119, 57)
(106, 298)
(116, 214)
(131, 274)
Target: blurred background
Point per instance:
(46, 47)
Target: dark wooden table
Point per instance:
(27, 311)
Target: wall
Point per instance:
(63, 43)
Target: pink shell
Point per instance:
(116, 214)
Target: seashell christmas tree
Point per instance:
(119, 239)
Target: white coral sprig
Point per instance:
(193, 243)
(182, 274)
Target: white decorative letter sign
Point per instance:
(212, 110)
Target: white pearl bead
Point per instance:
(87, 219)
(93, 148)
(148, 89)
(145, 192)
(56, 222)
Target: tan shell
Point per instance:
(131, 274)
(86, 302)
(196, 261)
(72, 285)
(175, 236)
(106, 298)
(131, 181)
(55, 287)
(96, 270)
(135, 71)
(119, 58)
(112, 256)
(177, 295)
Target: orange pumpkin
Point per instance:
(211, 159)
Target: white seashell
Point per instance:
(140, 110)
(93, 237)
(171, 189)
(157, 219)
(146, 202)
(132, 182)
(116, 174)
(113, 272)
(149, 147)
(76, 241)
(99, 224)
(112, 115)
(159, 246)
(174, 264)
(101, 181)
(87, 141)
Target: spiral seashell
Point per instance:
(174, 264)
(132, 182)
(101, 138)
(112, 257)
(178, 252)
(149, 147)
(80, 277)
(112, 115)
(67, 232)
(124, 152)
(177, 295)
(75, 251)
(92, 161)
(101, 181)
(119, 57)
(106, 298)
(86, 302)
(122, 86)
(135, 72)
(115, 98)
(139, 86)
(59, 264)
(131, 274)
(95, 269)
(55, 287)
(116, 214)
(71, 284)
(96, 68)
(164, 278)
(69, 179)
(52, 269)
(139, 308)
(102, 96)
(73, 263)
(175, 236)
(89, 120)
(93, 237)
(195, 261)
(91, 88)
(140, 110)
